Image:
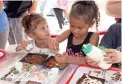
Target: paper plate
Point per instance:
(2, 54)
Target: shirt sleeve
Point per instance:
(108, 39)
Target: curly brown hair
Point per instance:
(31, 21)
(87, 9)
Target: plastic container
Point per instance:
(96, 54)
(53, 73)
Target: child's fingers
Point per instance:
(65, 53)
(23, 45)
(94, 63)
(25, 42)
(57, 56)
(53, 44)
(50, 43)
(89, 60)
(90, 63)
(58, 59)
(56, 46)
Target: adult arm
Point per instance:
(1, 5)
(35, 6)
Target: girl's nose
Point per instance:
(76, 31)
(47, 31)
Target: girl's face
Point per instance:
(78, 26)
(42, 31)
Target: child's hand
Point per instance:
(61, 58)
(112, 56)
(22, 45)
(91, 62)
(53, 44)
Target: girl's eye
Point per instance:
(80, 28)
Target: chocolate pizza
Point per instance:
(86, 79)
(34, 58)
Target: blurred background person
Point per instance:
(4, 29)
(15, 10)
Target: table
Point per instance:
(12, 57)
(70, 69)
(111, 76)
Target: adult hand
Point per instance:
(112, 56)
